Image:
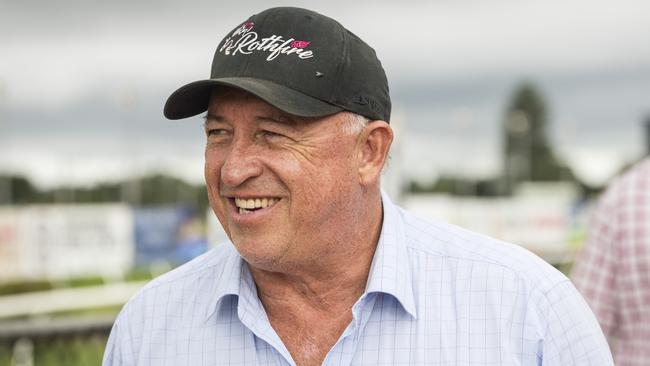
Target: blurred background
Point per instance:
(510, 117)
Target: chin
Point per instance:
(260, 254)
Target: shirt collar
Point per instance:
(237, 280)
(390, 271)
(228, 281)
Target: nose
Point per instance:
(241, 164)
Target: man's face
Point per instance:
(284, 188)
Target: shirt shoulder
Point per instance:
(179, 299)
(626, 190)
(427, 237)
(490, 280)
(619, 210)
(209, 265)
(191, 289)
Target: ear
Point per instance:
(374, 143)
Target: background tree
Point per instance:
(528, 154)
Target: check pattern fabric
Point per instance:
(613, 269)
(436, 295)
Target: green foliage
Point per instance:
(417, 187)
(153, 189)
(77, 351)
(9, 288)
(139, 274)
(25, 286)
(16, 188)
(45, 285)
(102, 310)
(458, 187)
(85, 281)
(5, 354)
(528, 154)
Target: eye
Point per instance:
(216, 132)
(272, 136)
(218, 136)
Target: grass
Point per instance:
(21, 287)
(75, 351)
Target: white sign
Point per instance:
(61, 241)
(544, 225)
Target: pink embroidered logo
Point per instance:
(300, 44)
(249, 25)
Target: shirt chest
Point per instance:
(382, 333)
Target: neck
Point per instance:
(332, 282)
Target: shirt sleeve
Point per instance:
(571, 334)
(594, 270)
(119, 348)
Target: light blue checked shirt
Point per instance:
(436, 295)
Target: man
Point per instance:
(613, 269)
(321, 267)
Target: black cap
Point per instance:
(297, 60)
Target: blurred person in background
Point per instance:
(613, 269)
(321, 266)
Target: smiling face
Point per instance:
(286, 189)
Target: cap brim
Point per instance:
(192, 99)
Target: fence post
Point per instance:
(23, 353)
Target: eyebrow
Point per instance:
(281, 119)
(213, 117)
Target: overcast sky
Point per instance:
(82, 83)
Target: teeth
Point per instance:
(244, 205)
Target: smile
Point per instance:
(246, 206)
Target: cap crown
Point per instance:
(310, 53)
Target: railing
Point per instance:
(77, 340)
(31, 336)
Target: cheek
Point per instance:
(212, 166)
(338, 168)
(326, 178)
(212, 173)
